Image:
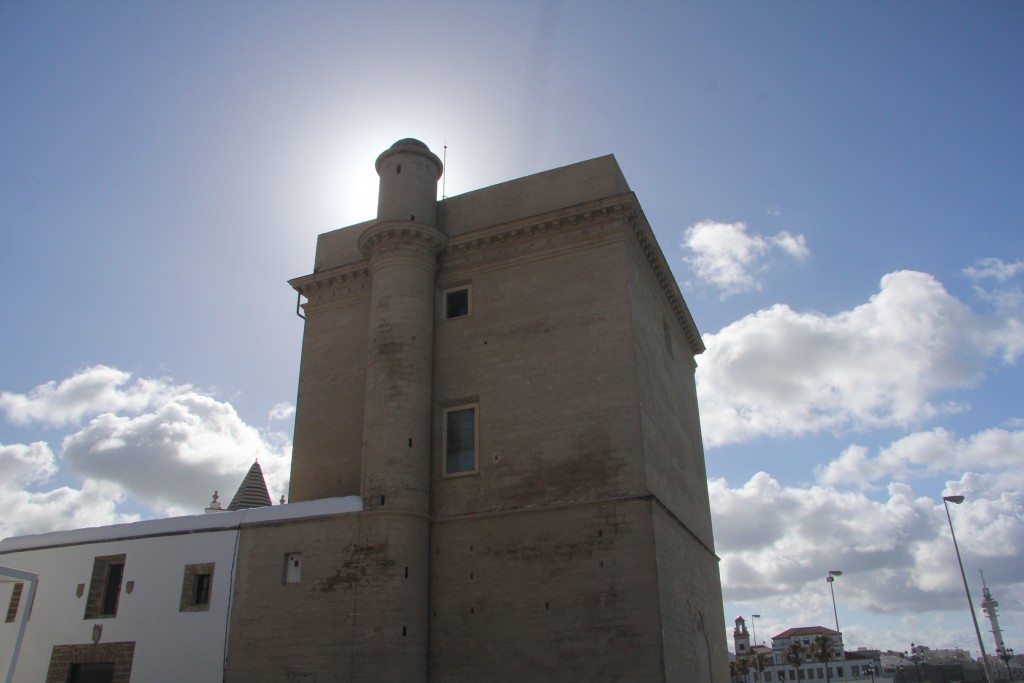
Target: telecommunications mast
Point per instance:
(988, 605)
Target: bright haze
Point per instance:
(837, 187)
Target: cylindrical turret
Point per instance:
(408, 173)
(402, 248)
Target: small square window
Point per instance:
(456, 303)
(460, 440)
(196, 587)
(293, 568)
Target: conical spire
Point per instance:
(253, 491)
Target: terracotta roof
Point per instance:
(253, 491)
(806, 631)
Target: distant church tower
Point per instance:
(741, 637)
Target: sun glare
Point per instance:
(347, 183)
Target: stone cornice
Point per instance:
(623, 208)
(583, 219)
(565, 219)
(382, 237)
(343, 276)
(663, 274)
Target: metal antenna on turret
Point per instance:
(444, 165)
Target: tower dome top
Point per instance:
(409, 142)
(409, 146)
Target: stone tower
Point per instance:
(402, 249)
(741, 637)
(506, 378)
(497, 471)
(375, 442)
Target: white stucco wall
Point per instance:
(191, 644)
(170, 644)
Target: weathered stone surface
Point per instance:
(579, 547)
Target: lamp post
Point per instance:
(832, 574)
(956, 500)
(757, 658)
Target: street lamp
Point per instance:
(832, 574)
(869, 669)
(956, 500)
(757, 657)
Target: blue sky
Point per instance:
(836, 185)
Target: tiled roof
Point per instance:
(253, 491)
(806, 631)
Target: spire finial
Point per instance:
(214, 505)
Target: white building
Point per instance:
(774, 667)
(151, 598)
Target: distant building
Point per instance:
(922, 663)
(919, 665)
(505, 381)
(776, 667)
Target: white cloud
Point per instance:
(26, 466)
(28, 512)
(727, 257)
(91, 391)
(777, 542)
(173, 457)
(927, 454)
(794, 245)
(21, 463)
(994, 268)
(886, 362)
(282, 411)
(798, 531)
(151, 443)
